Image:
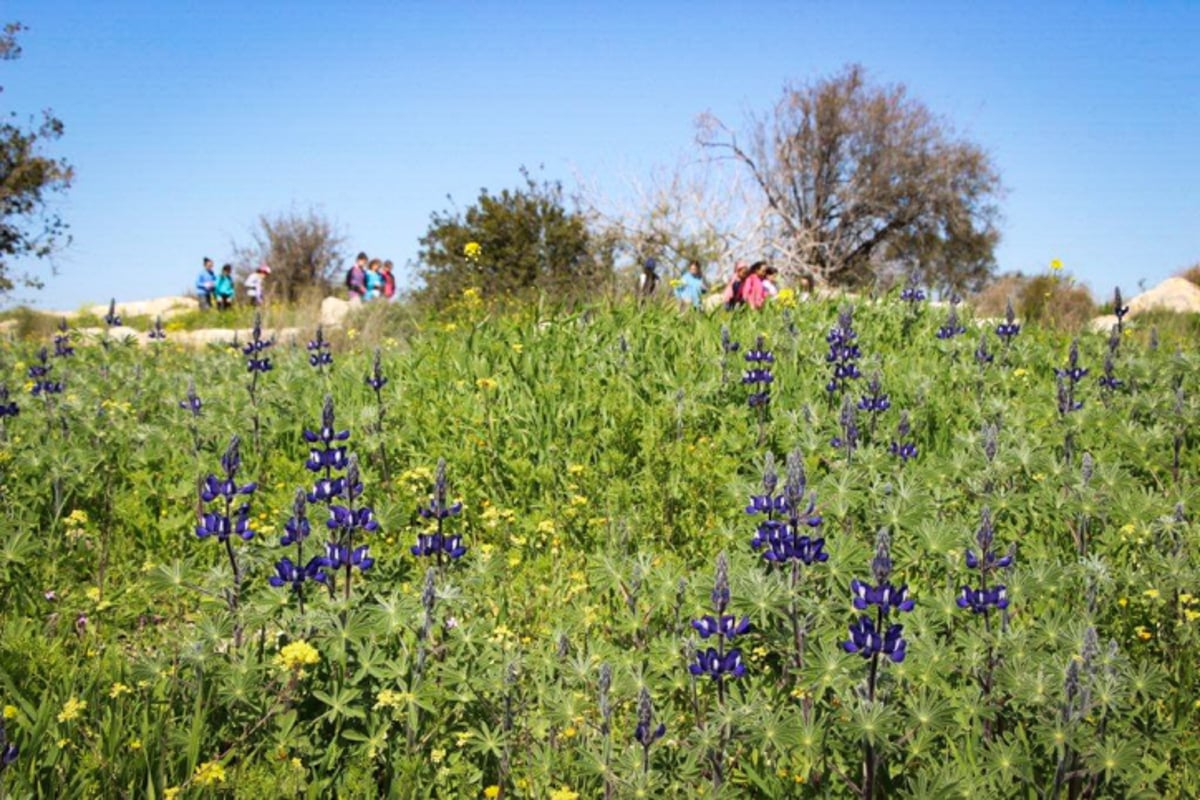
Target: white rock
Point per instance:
(334, 311)
(1173, 294)
(166, 307)
(1103, 324)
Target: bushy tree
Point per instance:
(863, 180)
(303, 249)
(28, 228)
(507, 243)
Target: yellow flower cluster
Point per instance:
(563, 793)
(117, 690)
(487, 384)
(472, 250)
(390, 698)
(491, 792)
(297, 655)
(72, 709)
(209, 774)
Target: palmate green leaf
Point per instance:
(341, 705)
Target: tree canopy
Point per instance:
(859, 181)
(507, 243)
(28, 228)
(303, 249)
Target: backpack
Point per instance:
(355, 279)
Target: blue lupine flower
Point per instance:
(432, 544)
(318, 348)
(326, 489)
(1119, 309)
(645, 736)
(226, 521)
(255, 361)
(297, 528)
(157, 333)
(352, 519)
(986, 561)
(62, 341)
(192, 402)
(718, 666)
(980, 600)
(952, 327)
(338, 556)
(982, 356)
(294, 575)
(1072, 371)
(876, 400)
(112, 319)
(8, 750)
(1109, 380)
(902, 446)
(437, 507)
(727, 625)
(759, 374)
(866, 641)
(222, 526)
(912, 293)
(8, 408)
(848, 438)
(376, 380)
(1008, 329)
(885, 596)
(39, 373)
(843, 353)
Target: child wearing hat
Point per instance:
(254, 284)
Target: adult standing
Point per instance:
(356, 278)
(206, 284)
(648, 281)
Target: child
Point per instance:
(254, 284)
(373, 280)
(691, 286)
(224, 289)
(389, 280)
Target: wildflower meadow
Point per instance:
(845, 548)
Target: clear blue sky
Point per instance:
(185, 121)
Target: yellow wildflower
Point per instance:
(297, 655)
(1143, 634)
(77, 517)
(1123, 601)
(171, 793)
(575, 469)
(1020, 372)
(546, 527)
(437, 755)
(487, 384)
(563, 793)
(1190, 615)
(210, 773)
(517, 347)
(570, 732)
(491, 792)
(1056, 264)
(472, 251)
(72, 709)
(135, 744)
(10, 712)
(461, 738)
(117, 690)
(1151, 593)
(389, 698)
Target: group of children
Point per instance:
(370, 279)
(751, 284)
(219, 290)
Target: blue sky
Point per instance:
(185, 121)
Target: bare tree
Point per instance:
(304, 250)
(858, 181)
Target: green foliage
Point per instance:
(603, 465)
(304, 251)
(27, 178)
(511, 243)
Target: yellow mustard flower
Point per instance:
(487, 384)
(117, 690)
(1056, 264)
(297, 655)
(472, 250)
(135, 744)
(491, 792)
(1151, 593)
(564, 793)
(390, 698)
(72, 709)
(1143, 634)
(10, 712)
(209, 774)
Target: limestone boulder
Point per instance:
(1173, 294)
(334, 311)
